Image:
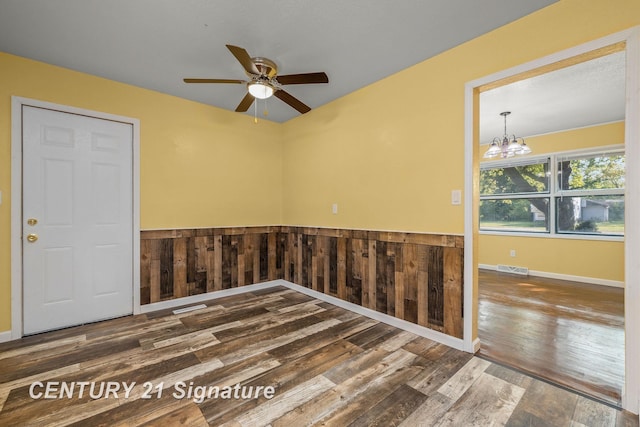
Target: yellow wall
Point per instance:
(200, 166)
(585, 258)
(575, 257)
(390, 153)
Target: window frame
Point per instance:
(553, 191)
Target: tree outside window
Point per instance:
(587, 192)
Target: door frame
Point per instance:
(631, 38)
(17, 104)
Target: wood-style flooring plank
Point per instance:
(566, 332)
(546, 402)
(284, 403)
(283, 378)
(392, 409)
(187, 416)
(372, 395)
(327, 366)
(330, 401)
(488, 400)
(460, 382)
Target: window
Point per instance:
(590, 194)
(515, 196)
(579, 194)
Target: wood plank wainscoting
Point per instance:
(412, 276)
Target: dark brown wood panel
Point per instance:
(166, 269)
(414, 277)
(435, 287)
(381, 277)
(333, 266)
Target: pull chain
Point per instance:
(255, 112)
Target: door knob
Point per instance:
(32, 221)
(32, 238)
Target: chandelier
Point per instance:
(507, 146)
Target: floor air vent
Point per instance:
(188, 309)
(513, 269)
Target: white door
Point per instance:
(77, 219)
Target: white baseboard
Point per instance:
(476, 345)
(445, 339)
(179, 302)
(591, 280)
(381, 317)
(5, 336)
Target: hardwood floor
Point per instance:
(566, 332)
(327, 366)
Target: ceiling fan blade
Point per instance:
(245, 103)
(298, 79)
(213, 81)
(243, 57)
(294, 102)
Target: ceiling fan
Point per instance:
(264, 81)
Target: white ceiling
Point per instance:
(156, 43)
(585, 94)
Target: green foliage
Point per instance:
(505, 210)
(587, 226)
(606, 171)
(616, 211)
(533, 179)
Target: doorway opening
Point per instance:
(627, 43)
(557, 215)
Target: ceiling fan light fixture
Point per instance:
(260, 90)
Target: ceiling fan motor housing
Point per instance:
(267, 67)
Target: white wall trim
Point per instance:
(631, 389)
(372, 314)
(6, 336)
(381, 317)
(560, 276)
(306, 226)
(16, 200)
(194, 299)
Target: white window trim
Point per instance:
(553, 192)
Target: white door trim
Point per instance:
(631, 389)
(16, 200)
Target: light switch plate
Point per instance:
(456, 197)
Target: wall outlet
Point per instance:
(512, 252)
(334, 209)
